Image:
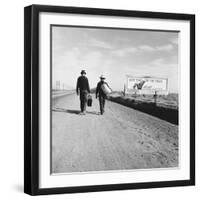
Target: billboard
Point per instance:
(146, 84)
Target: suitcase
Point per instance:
(89, 101)
(106, 89)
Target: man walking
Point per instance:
(82, 89)
(102, 93)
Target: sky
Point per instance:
(114, 53)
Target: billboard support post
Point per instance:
(155, 97)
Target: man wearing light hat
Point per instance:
(102, 90)
(83, 88)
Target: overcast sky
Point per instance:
(114, 53)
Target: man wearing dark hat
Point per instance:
(83, 88)
(101, 93)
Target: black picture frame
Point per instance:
(31, 98)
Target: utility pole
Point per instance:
(58, 85)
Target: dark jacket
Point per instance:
(82, 84)
(99, 90)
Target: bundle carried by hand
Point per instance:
(89, 100)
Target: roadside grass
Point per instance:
(165, 107)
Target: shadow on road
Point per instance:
(66, 110)
(73, 111)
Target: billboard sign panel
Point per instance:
(146, 84)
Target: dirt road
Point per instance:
(122, 138)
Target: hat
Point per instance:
(102, 77)
(83, 72)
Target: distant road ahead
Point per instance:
(122, 138)
(60, 93)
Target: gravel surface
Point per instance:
(122, 138)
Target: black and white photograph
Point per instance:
(109, 99)
(114, 99)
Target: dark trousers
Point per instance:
(83, 100)
(102, 101)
